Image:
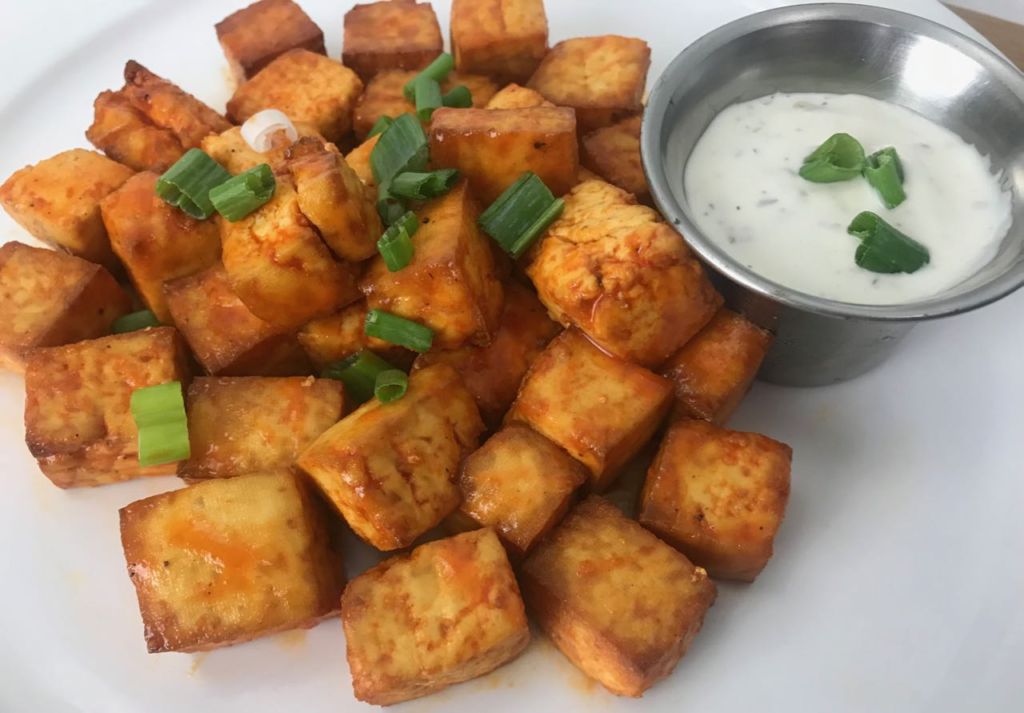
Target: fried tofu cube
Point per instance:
(258, 34)
(493, 373)
(307, 87)
(451, 284)
(156, 241)
(333, 198)
(358, 160)
(714, 370)
(600, 409)
(447, 612)
(602, 78)
(150, 122)
(718, 496)
(400, 34)
(515, 96)
(613, 153)
(244, 424)
(230, 150)
(494, 147)
(503, 38)
(519, 483)
(226, 338)
(623, 276)
(618, 602)
(331, 339)
(226, 561)
(389, 469)
(48, 298)
(384, 96)
(58, 201)
(279, 266)
(78, 423)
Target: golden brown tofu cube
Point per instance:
(226, 561)
(514, 96)
(602, 78)
(613, 153)
(618, 272)
(718, 496)
(450, 285)
(258, 34)
(447, 612)
(330, 339)
(333, 198)
(230, 150)
(58, 202)
(244, 424)
(519, 483)
(493, 373)
(389, 469)
(600, 409)
(227, 338)
(714, 370)
(280, 268)
(618, 602)
(48, 298)
(358, 160)
(384, 96)
(307, 87)
(494, 147)
(78, 424)
(400, 34)
(503, 38)
(156, 241)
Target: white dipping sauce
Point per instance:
(746, 196)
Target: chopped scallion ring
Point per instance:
(428, 98)
(401, 147)
(395, 246)
(391, 385)
(437, 70)
(521, 214)
(358, 372)
(421, 186)
(389, 207)
(885, 249)
(259, 129)
(884, 171)
(134, 322)
(840, 158)
(380, 126)
(398, 330)
(242, 194)
(458, 98)
(159, 413)
(187, 184)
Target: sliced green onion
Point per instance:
(428, 98)
(159, 413)
(187, 184)
(379, 126)
(840, 158)
(395, 246)
(134, 322)
(458, 98)
(391, 385)
(419, 186)
(520, 214)
(358, 372)
(389, 207)
(398, 330)
(884, 172)
(437, 70)
(885, 249)
(242, 194)
(402, 147)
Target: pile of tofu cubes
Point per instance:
(547, 376)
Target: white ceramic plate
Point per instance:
(899, 574)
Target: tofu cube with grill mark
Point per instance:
(400, 34)
(622, 605)
(256, 35)
(502, 38)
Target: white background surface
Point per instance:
(899, 573)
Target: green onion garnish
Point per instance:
(458, 98)
(358, 372)
(437, 70)
(391, 385)
(885, 249)
(428, 97)
(395, 246)
(188, 182)
(420, 186)
(401, 147)
(159, 413)
(242, 194)
(840, 158)
(389, 207)
(379, 126)
(134, 322)
(398, 330)
(520, 214)
(884, 172)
